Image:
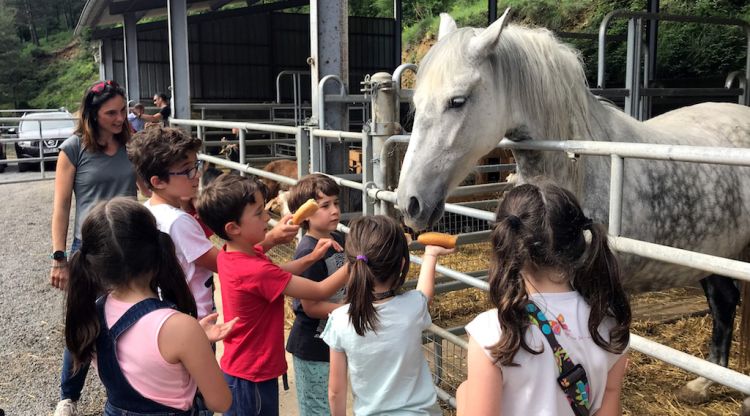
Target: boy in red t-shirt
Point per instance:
(253, 289)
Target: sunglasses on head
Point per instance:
(100, 87)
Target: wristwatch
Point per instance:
(58, 255)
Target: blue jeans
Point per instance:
(253, 399)
(71, 384)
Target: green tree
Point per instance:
(10, 57)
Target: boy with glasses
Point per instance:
(167, 160)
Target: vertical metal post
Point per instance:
(41, 150)
(652, 36)
(633, 67)
(243, 157)
(303, 151)
(202, 131)
(329, 54)
(398, 17)
(315, 153)
(179, 63)
(368, 207)
(106, 70)
(437, 351)
(130, 44)
(491, 11)
(615, 195)
(383, 97)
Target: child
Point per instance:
(377, 336)
(134, 117)
(542, 262)
(150, 353)
(253, 289)
(167, 159)
(309, 352)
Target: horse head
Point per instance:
(476, 86)
(457, 118)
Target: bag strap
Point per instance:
(572, 380)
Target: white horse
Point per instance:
(477, 85)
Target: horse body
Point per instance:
(477, 85)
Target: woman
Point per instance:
(92, 164)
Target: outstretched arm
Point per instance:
(426, 281)
(302, 288)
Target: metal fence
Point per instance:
(449, 369)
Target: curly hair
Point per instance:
(542, 225)
(153, 150)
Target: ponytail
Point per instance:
(170, 278)
(507, 288)
(359, 295)
(598, 281)
(377, 252)
(81, 317)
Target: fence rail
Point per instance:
(740, 270)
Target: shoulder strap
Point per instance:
(572, 380)
(136, 312)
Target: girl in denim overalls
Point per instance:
(152, 356)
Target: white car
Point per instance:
(56, 126)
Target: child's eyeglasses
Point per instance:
(192, 172)
(101, 86)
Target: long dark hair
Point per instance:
(88, 126)
(120, 244)
(383, 254)
(541, 225)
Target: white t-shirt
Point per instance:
(190, 243)
(387, 368)
(531, 387)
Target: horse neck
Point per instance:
(592, 121)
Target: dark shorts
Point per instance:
(253, 399)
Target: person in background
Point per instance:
(93, 165)
(136, 122)
(165, 111)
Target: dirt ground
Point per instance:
(31, 324)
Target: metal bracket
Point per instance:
(367, 186)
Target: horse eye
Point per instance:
(456, 102)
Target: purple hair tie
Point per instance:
(362, 257)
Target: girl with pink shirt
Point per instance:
(152, 356)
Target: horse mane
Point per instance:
(544, 77)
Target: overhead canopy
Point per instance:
(97, 13)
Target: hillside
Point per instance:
(56, 72)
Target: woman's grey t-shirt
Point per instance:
(98, 177)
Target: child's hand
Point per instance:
(438, 251)
(216, 332)
(321, 248)
(284, 232)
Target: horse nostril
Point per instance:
(414, 208)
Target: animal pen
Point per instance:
(445, 348)
(290, 133)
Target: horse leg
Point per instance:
(722, 295)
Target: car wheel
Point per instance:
(22, 167)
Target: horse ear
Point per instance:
(481, 45)
(447, 25)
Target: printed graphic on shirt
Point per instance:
(333, 263)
